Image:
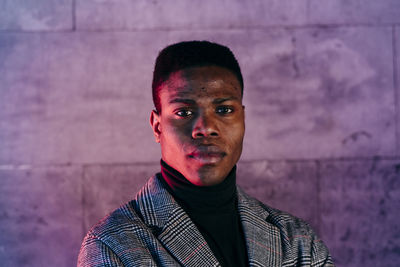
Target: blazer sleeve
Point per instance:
(94, 253)
(320, 256)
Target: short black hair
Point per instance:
(191, 54)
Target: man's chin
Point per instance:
(208, 175)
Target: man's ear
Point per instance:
(155, 124)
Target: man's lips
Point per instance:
(207, 154)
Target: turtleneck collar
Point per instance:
(201, 199)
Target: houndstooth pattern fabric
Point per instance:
(153, 230)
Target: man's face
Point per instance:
(201, 125)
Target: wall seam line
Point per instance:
(396, 90)
(308, 7)
(247, 28)
(73, 15)
(319, 215)
(83, 200)
(244, 28)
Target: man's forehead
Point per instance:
(183, 83)
(188, 93)
(206, 72)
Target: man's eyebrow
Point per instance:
(182, 100)
(221, 100)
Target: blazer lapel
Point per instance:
(177, 233)
(183, 240)
(262, 238)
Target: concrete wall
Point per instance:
(322, 115)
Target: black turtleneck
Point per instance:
(213, 209)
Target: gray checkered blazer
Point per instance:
(153, 230)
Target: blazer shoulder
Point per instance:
(124, 234)
(290, 226)
(127, 216)
(130, 221)
(128, 235)
(289, 223)
(123, 216)
(300, 243)
(285, 221)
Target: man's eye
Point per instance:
(224, 110)
(184, 113)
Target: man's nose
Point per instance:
(205, 126)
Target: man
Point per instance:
(192, 213)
